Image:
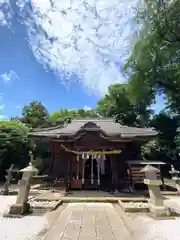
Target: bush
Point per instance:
(14, 145)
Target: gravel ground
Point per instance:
(28, 227)
(157, 229)
(150, 229)
(135, 204)
(25, 228)
(43, 204)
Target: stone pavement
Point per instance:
(88, 221)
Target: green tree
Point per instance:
(164, 147)
(35, 115)
(15, 119)
(63, 114)
(118, 103)
(154, 68)
(14, 145)
(154, 64)
(83, 113)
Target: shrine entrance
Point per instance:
(91, 173)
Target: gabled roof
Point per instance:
(107, 126)
(150, 168)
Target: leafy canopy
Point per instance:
(154, 64)
(14, 144)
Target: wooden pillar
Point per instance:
(52, 159)
(83, 166)
(112, 169)
(70, 172)
(67, 158)
(130, 181)
(98, 173)
(92, 170)
(77, 167)
(114, 173)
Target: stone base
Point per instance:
(20, 209)
(5, 192)
(159, 211)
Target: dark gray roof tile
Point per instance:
(108, 126)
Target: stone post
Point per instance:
(175, 177)
(156, 205)
(177, 182)
(8, 180)
(22, 206)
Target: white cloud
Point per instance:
(87, 108)
(8, 76)
(5, 13)
(2, 117)
(1, 107)
(89, 38)
(17, 107)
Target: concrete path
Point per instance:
(88, 221)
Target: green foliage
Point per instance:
(63, 114)
(164, 147)
(154, 64)
(151, 150)
(14, 145)
(35, 115)
(118, 102)
(154, 68)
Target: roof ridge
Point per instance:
(48, 128)
(73, 120)
(92, 119)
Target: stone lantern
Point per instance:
(175, 177)
(22, 206)
(156, 205)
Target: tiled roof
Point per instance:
(108, 126)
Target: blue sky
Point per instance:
(67, 60)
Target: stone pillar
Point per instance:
(156, 205)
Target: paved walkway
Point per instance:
(88, 221)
